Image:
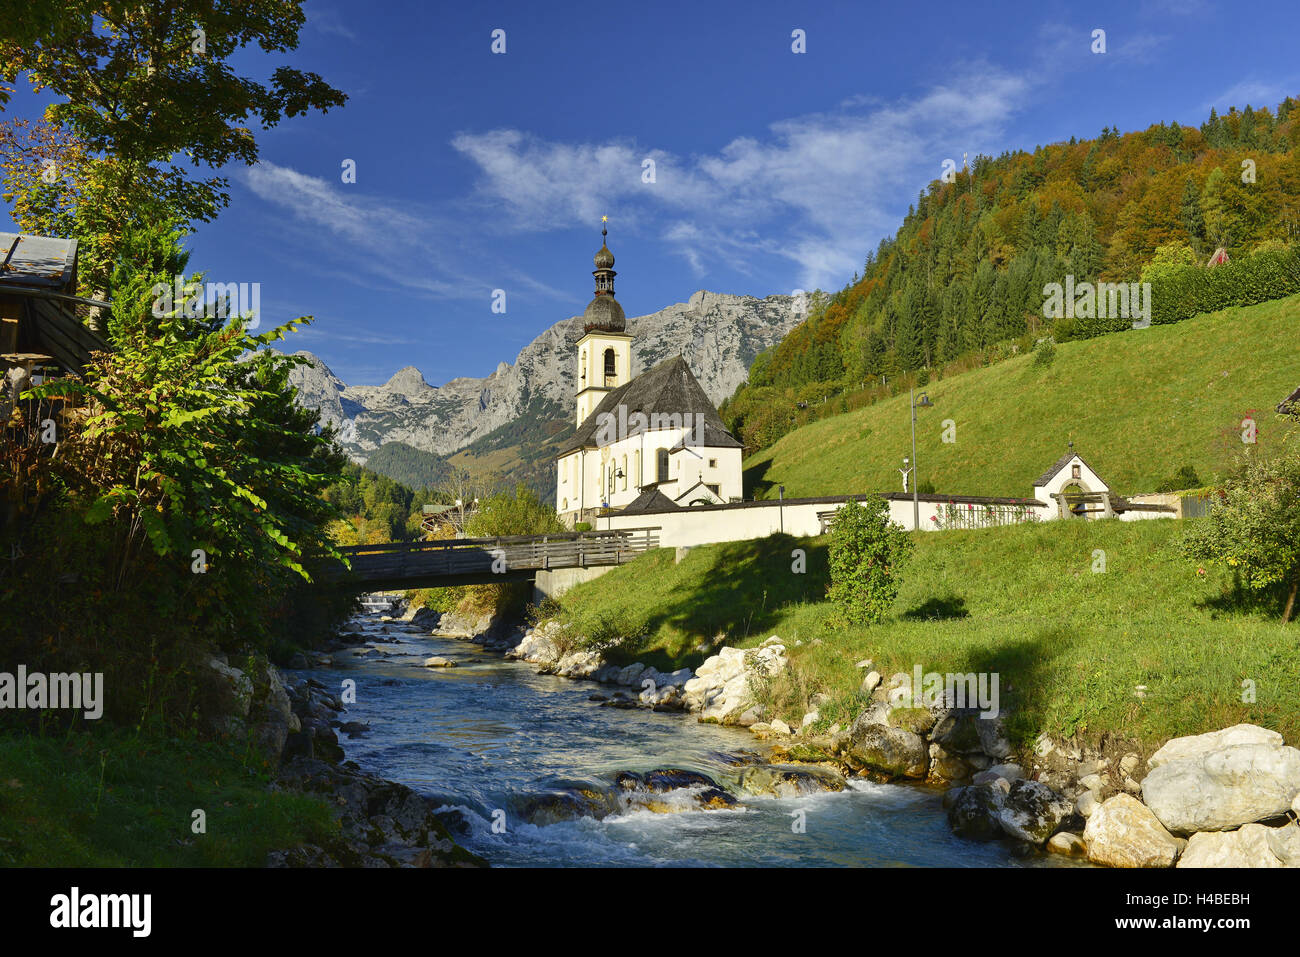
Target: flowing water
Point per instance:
(490, 733)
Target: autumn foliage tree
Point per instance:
(141, 86)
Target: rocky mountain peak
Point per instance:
(407, 381)
(717, 333)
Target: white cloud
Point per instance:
(1256, 93)
(376, 244)
(819, 188)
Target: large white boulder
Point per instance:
(1208, 788)
(1247, 847)
(1199, 745)
(721, 685)
(1122, 832)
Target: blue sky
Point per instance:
(774, 171)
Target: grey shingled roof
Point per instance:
(1059, 464)
(669, 388)
(28, 260)
(651, 500)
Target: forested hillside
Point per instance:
(962, 281)
(412, 467)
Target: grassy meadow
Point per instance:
(116, 799)
(1071, 645)
(1137, 404)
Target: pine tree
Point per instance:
(1190, 212)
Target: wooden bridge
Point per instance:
(484, 561)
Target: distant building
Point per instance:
(656, 437)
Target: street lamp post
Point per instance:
(614, 473)
(924, 403)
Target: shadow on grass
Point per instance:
(752, 477)
(741, 592)
(1237, 599)
(1027, 686)
(947, 608)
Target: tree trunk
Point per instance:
(1290, 602)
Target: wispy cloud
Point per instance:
(375, 243)
(329, 21)
(1255, 93)
(813, 189)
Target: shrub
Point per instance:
(867, 552)
(1184, 291)
(1184, 478)
(1254, 525)
(1044, 355)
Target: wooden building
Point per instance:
(40, 334)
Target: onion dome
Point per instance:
(604, 313)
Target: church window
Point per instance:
(1075, 471)
(625, 473)
(610, 370)
(713, 464)
(662, 464)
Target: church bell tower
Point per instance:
(605, 349)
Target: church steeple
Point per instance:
(603, 313)
(605, 349)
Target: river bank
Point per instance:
(1216, 799)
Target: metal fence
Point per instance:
(972, 515)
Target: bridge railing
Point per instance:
(462, 556)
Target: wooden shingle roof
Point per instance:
(1059, 464)
(670, 388)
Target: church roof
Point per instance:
(651, 500)
(670, 388)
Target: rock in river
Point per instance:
(1122, 832)
(892, 751)
(787, 781)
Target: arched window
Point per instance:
(625, 473)
(636, 469)
(582, 365)
(610, 371)
(662, 475)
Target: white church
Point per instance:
(647, 443)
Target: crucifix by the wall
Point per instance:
(905, 471)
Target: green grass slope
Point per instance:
(114, 799)
(1138, 405)
(1071, 645)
